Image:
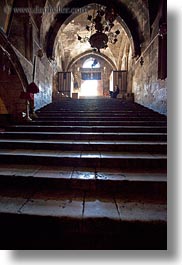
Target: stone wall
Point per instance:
(43, 78)
(27, 65)
(25, 39)
(147, 88)
(10, 85)
(10, 90)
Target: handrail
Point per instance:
(6, 46)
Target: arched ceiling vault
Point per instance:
(60, 39)
(68, 47)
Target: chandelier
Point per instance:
(100, 26)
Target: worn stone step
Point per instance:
(83, 128)
(109, 118)
(96, 123)
(99, 111)
(51, 110)
(87, 220)
(90, 136)
(152, 181)
(95, 105)
(83, 114)
(80, 187)
(97, 232)
(127, 146)
(85, 158)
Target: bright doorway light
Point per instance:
(89, 88)
(91, 63)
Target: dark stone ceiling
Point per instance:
(68, 47)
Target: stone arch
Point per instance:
(104, 71)
(129, 21)
(91, 53)
(91, 62)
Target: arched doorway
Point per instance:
(91, 80)
(91, 75)
(89, 88)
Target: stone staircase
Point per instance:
(85, 174)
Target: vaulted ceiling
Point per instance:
(59, 31)
(68, 47)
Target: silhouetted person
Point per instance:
(113, 94)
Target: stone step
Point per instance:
(88, 114)
(80, 219)
(91, 136)
(115, 146)
(97, 123)
(104, 118)
(100, 109)
(94, 105)
(85, 158)
(59, 128)
(91, 109)
(98, 115)
(90, 186)
(127, 182)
